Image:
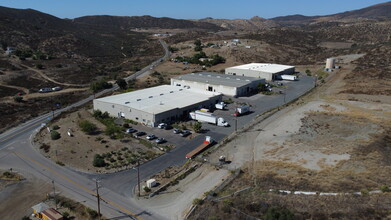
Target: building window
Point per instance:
(136, 118)
(143, 120)
(112, 106)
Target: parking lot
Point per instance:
(258, 103)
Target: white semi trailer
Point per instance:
(288, 77)
(208, 117)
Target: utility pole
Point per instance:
(138, 177)
(97, 196)
(236, 124)
(54, 194)
(284, 96)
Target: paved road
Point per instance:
(31, 125)
(17, 152)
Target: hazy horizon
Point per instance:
(192, 10)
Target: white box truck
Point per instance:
(241, 110)
(208, 117)
(221, 106)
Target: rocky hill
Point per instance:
(33, 30)
(255, 23)
(127, 23)
(375, 12)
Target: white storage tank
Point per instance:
(151, 183)
(330, 63)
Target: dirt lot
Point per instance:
(15, 207)
(328, 141)
(78, 151)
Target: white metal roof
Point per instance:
(158, 99)
(263, 67)
(217, 79)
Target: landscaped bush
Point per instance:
(55, 135)
(99, 161)
(88, 127)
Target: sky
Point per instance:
(189, 9)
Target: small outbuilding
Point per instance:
(51, 214)
(218, 83)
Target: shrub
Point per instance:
(45, 147)
(88, 127)
(65, 215)
(56, 127)
(92, 213)
(146, 189)
(111, 130)
(26, 218)
(60, 163)
(99, 161)
(8, 174)
(385, 189)
(122, 83)
(55, 135)
(197, 201)
(278, 214)
(97, 113)
(96, 86)
(18, 98)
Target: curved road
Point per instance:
(17, 152)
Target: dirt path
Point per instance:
(43, 75)
(26, 91)
(37, 95)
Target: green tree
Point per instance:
(197, 44)
(122, 83)
(88, 127)
(197, 127)
(55, 135)
(111, 130)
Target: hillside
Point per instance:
(375, 12)
(255, 23)
(128, 23)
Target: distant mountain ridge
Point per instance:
(376, 12)
(125, 22)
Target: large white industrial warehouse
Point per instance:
(155, 105)
(267, 71)
(218, 83)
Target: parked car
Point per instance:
(185, 133)
(160, 140)
(57, 88)
(139, 134)
(131, 130)
(162, 126)
(151, 137)
(177, 131)
(44, 90)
